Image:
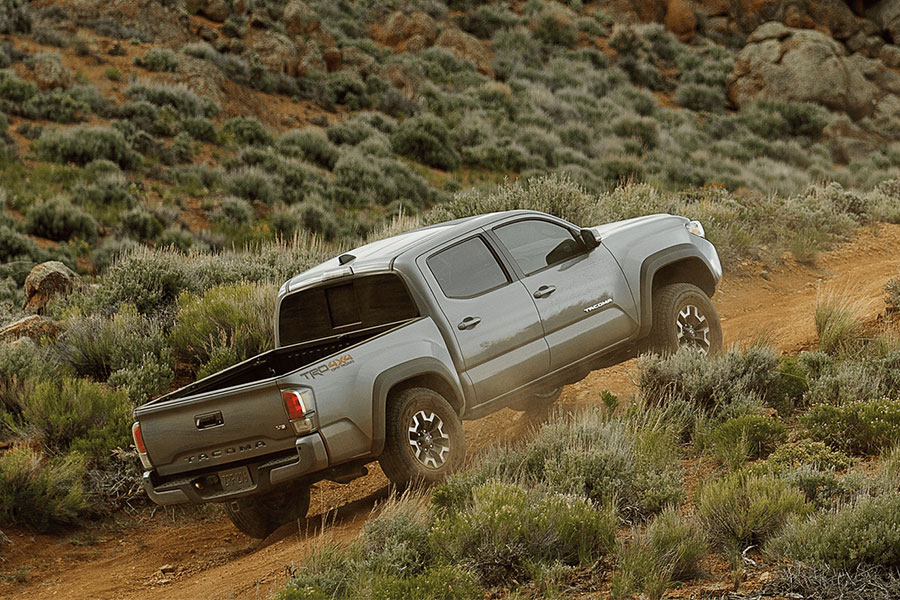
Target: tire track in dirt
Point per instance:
(184, 558)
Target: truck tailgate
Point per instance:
(216, 428)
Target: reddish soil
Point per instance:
(199, 555)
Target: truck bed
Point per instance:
(235, 414)
(273, 363)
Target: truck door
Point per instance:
(582, 296)
(493, 318)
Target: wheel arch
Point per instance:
(424, 372)
(681, 263)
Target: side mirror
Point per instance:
(590, 240)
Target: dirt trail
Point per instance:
(163, 557)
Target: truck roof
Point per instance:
(380, 255)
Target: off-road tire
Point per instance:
(404, 459)
(258, 516)
(679, 302)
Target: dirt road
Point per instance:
(203, 558)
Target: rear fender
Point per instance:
(404, 372)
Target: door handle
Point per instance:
(469, 323)
(544, 291)
(209, 420)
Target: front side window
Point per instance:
(467, 269)
(537, 244)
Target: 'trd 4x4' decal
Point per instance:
(332, 365)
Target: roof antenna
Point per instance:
(345, 258)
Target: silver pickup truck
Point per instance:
(382, 351)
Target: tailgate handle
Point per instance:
(209, 420)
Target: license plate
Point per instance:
(236, 480)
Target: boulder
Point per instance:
(890, 56)
(49, 72)
(680, 19)
(359, 61)
(886, 15)
(802, 65)
(46, 281)
(278, 53)
(332, 58)
(299, 19)
(214, 10)
(411, 33)
(466, 47)
(32, 326)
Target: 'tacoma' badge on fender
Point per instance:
(229, 451)
(600, 304)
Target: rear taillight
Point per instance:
(293, 402)
(298, 404)
(140, 446)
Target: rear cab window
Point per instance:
(467, 269)
(327, 310)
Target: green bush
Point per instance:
(743, 509)
(866, 533)
(248, 131)
(185, 102)
(96, 345)
(21, 362)
(839, 321)
(395, 543)
(747, 436)
(308, 145)
(505, 526)
(233, 212)
(893, 295)
(710, 383)
(15, 89)
(110, 191)
(239, 317)
(485, 20)
(313, 215)
(61, 411)
(554, 25)
(141, 224)
(255, 185)
(176, 238)
(15, 246)
(158, 59)
(426, 139)
(58, 219)
(630, 463)
(144, 381)
(81, 145)
(643, 129)
(668, 551)
(859, 428)
(39, 493)
(14, 17)
(439, 583)
(807, 452)
(700, 97)
(345, 87)
(200, 128)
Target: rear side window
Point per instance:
(329, 310)
(536, 244)
(467, 269)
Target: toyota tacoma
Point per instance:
(382, 351)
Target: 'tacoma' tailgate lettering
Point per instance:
(230, 450)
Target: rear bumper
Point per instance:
(200, 487)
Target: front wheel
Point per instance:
(424, 439)
(258, 516)
(684, 316)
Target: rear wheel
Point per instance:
(684, 316)
(424, 439)
(258, 516)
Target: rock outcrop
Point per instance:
(803, 65)
(466, 47)
(32, 326)
(46, 281)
